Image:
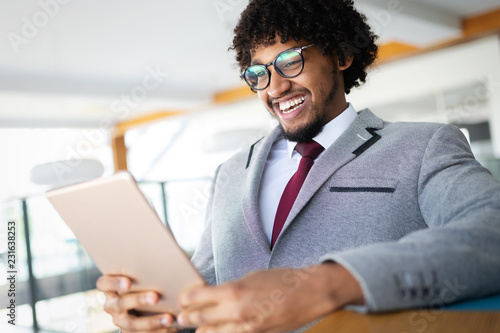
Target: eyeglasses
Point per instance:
(288, 64)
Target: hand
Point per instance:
(120, 303)
(270, 301)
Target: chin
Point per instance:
(303, 134)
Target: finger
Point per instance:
(126, 302)
(157, 323)
(117, 284)
(211, 315)
(109, 296)
(201, 296)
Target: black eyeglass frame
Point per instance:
(296, 49)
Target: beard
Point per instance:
(309, 131)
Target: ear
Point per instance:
(346, 63)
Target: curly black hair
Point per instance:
(335, 26)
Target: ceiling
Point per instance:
(74, 63)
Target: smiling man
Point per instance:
(309, 101)
(334, 207)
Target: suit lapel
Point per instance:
(256, 162)
(354, 141)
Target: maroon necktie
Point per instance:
(309, 151)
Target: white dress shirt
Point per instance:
(283, 161)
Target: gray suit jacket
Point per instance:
(404, 207)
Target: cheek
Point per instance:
(322, 84)
(264, 99)
(262, 96)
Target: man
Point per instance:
(389, 216)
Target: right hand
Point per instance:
(120, 302)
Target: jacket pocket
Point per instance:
(363, 185)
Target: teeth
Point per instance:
(291, 110)
(292, 104)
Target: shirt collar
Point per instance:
(331, 131)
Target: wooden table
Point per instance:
(416, 321)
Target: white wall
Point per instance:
(458, 84)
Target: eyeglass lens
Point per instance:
(288, 64)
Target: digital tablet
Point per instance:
(123, 235)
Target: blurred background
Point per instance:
(90, 87)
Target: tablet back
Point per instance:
(122, 233)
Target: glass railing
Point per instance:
(55, 278)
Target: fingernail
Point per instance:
(149, 299)
(123, 285)
(166, 321)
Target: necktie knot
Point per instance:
(310, 149)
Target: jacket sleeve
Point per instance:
(203, 257)
(458, 256)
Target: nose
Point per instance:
(278, 84)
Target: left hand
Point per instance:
(271, 300)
